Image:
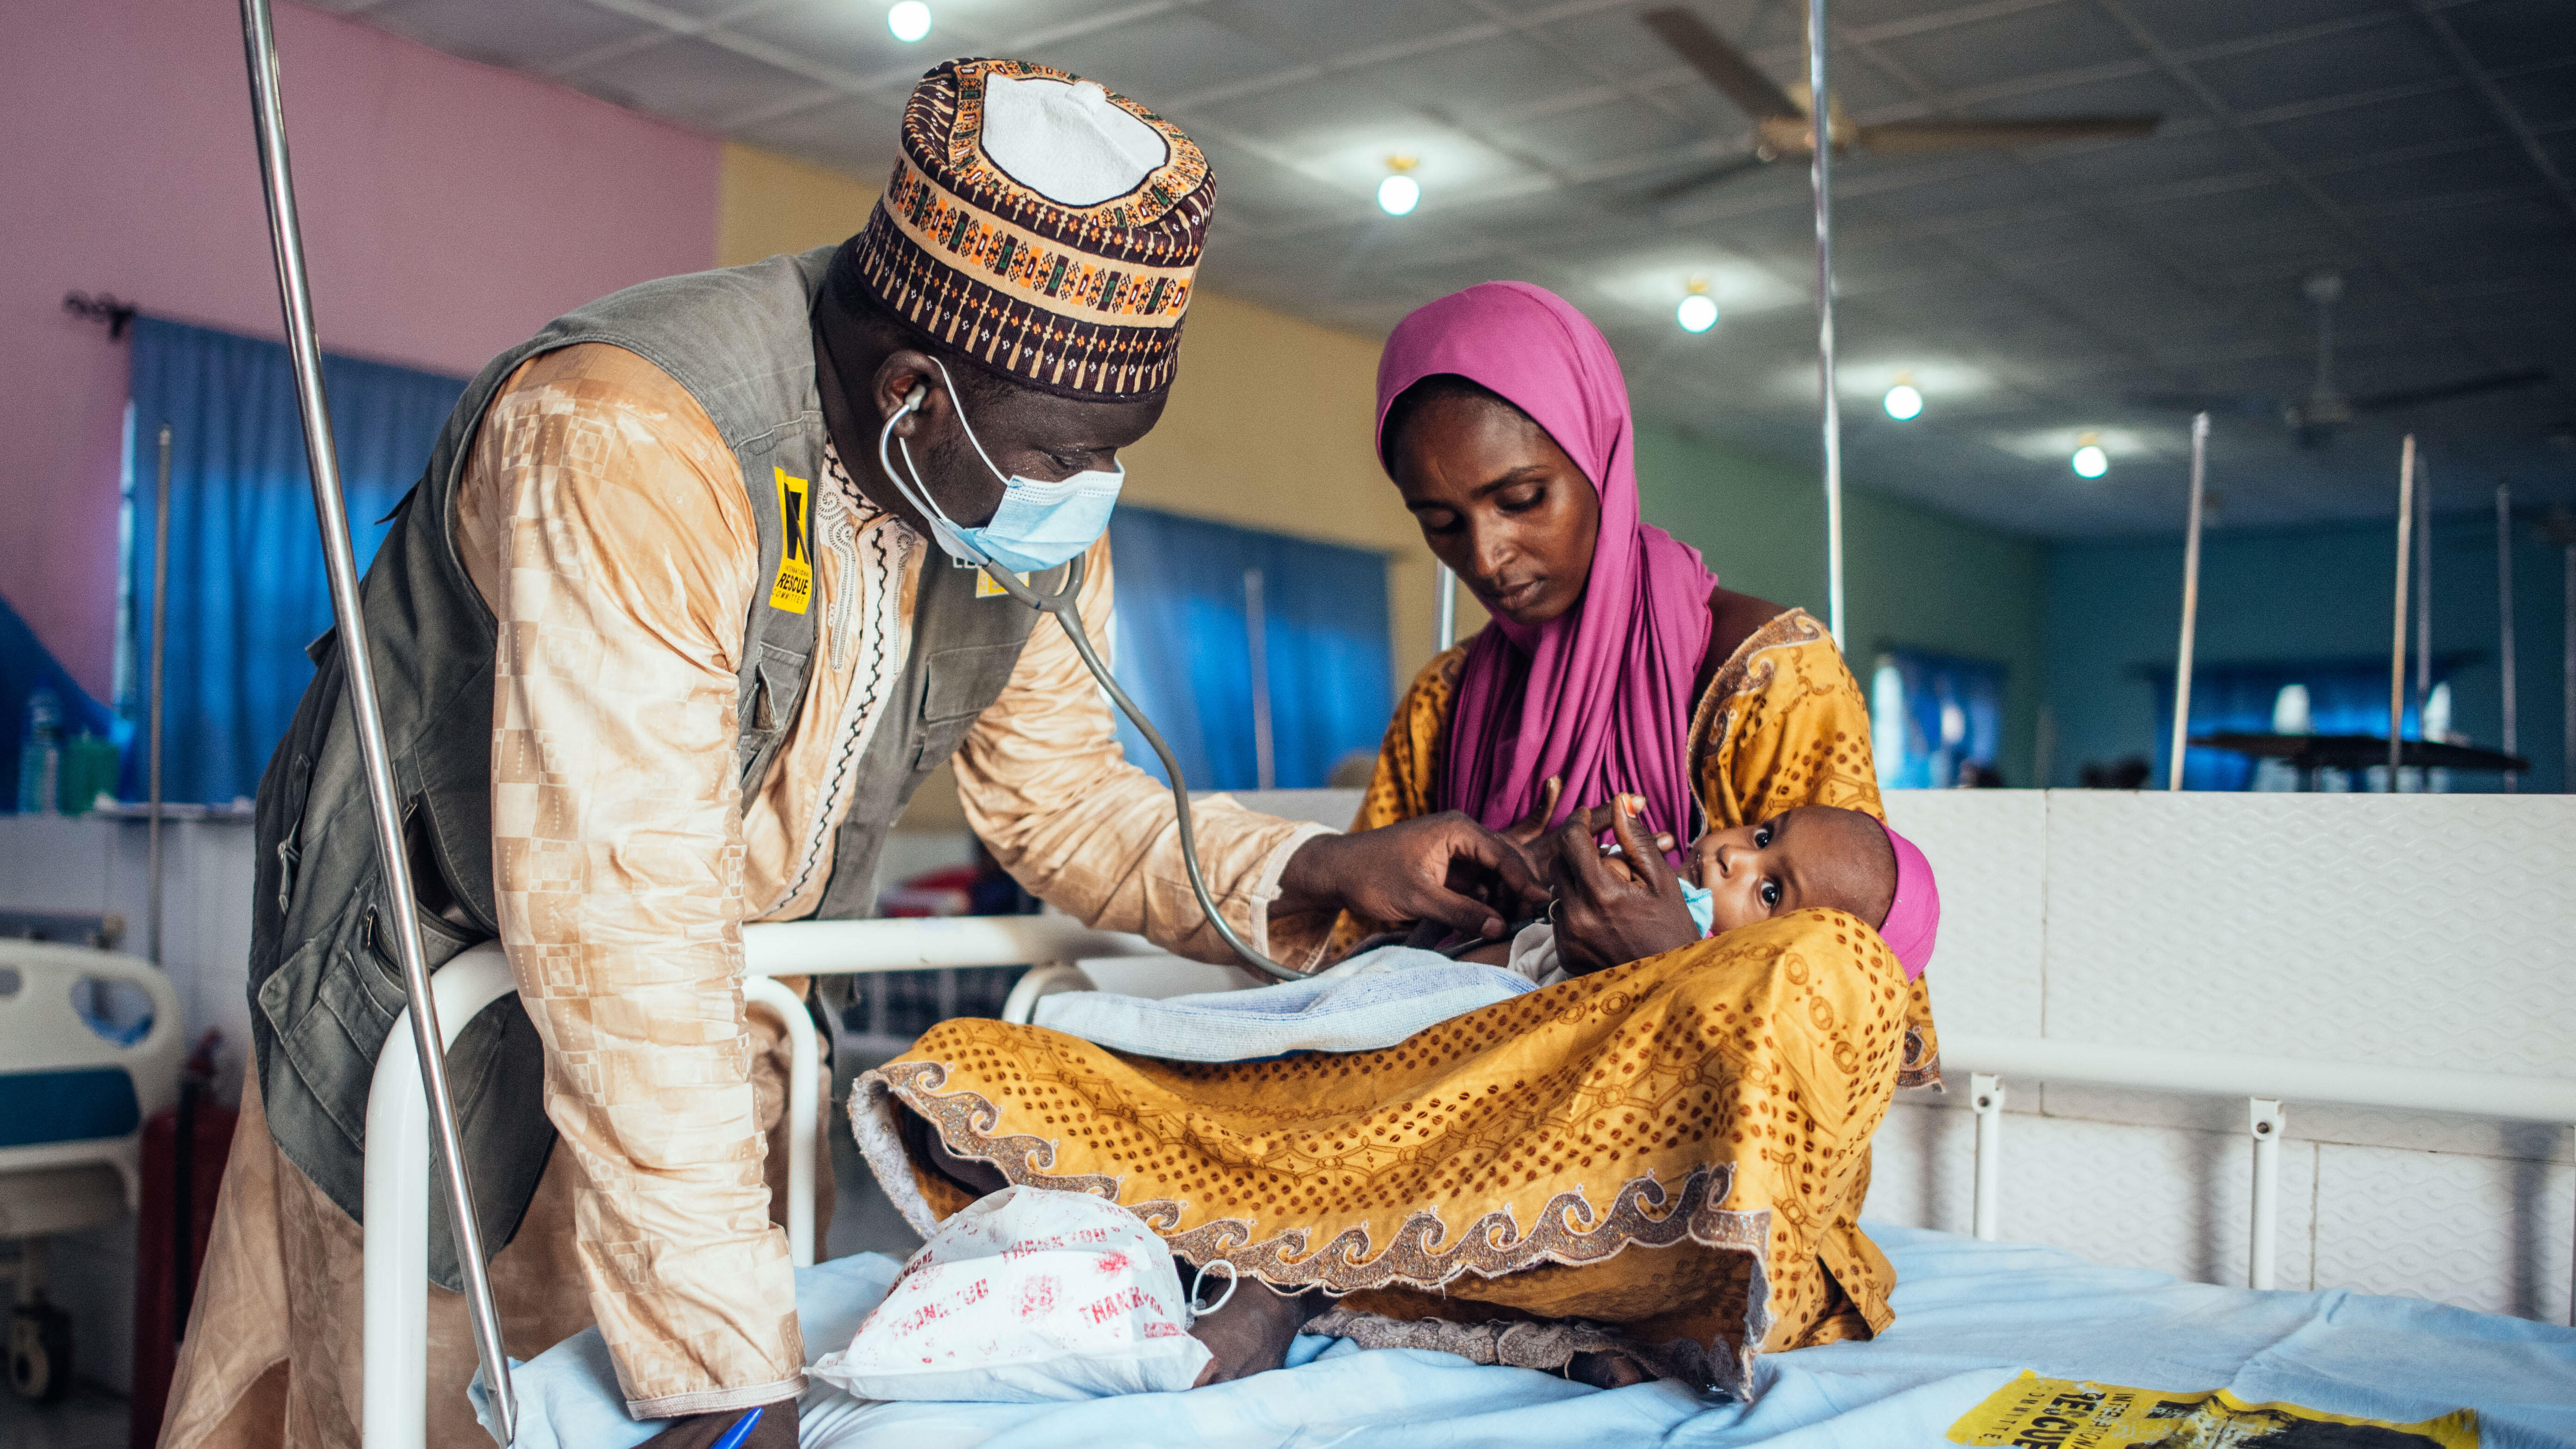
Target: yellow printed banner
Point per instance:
(2036, 1413)
(793, 589)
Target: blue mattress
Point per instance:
(1971, 1316)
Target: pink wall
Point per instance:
(449, 210)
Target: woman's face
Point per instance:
(1501, 504)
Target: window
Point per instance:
(1190, 594)
(246, 585)
(1936, 720)
(2292, 697)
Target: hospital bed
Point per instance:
(1974, 1290)
(91, 1041)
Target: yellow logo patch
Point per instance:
(793, 589)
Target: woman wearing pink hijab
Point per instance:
(1616, 664)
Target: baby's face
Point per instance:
(1815, 855)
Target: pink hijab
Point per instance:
(1601, 695)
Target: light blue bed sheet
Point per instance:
(1970, 1316)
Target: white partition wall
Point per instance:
(2415, 931)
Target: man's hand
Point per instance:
(1445, 868)
(776, 1429)
(1613, 911)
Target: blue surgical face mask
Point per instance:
(1039, 524)
(1701, 902)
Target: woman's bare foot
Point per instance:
(1251, 1333)
(1607, 1370)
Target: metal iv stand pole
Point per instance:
(268, 114)
(1820, 115)
(2190, 600)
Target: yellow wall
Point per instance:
(767, 204)
(1268, 425)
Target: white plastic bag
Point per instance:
(1026, 1296)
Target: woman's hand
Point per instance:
(1613, 911)
(1446, 868)
(1525, 832)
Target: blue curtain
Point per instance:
(1952, 714)
(246, 586)
(1183, 648)
(2345, 697)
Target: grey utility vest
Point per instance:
(325, 983)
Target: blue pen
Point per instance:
(732, 1438)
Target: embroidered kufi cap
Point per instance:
(1042, 226)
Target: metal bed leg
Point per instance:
(804, 1059)
(2262, 1259)
(1986, 1092)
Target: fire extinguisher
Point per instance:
(184, 1150)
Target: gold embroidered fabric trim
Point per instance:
(1423, 1253)
(1021, 264)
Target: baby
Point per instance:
(1807, 857)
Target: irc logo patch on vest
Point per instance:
(793, 589)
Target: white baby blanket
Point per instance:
(1374, 999)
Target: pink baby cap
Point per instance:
(1914, 917)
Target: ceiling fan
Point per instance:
(2317, 417)
(1785, 127)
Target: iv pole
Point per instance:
(2397, 645)
(2190, 599)
(1820, 116)
(268, 116)
(2504, 610)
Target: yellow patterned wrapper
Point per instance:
(1782, 724)
(2036, 1413)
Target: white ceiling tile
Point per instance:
(693, 81)
(532, 35)
(1984, 52)
(2334, 65)
(1167, 56)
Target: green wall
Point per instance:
(1912, 576)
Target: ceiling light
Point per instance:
(909, 20)
(1398, 194)
(2090, 461)
(1903, 403)
(1698, 311)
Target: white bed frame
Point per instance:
(396, 1352)
(395, 1348)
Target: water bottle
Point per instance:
(40, 754)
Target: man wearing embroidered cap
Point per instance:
(666, 637)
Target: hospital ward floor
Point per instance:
(92, 1418)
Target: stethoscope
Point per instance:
(1061, 606)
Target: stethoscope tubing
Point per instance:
(1062, 606)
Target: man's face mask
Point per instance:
(1039, 524)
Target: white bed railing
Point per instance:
(395, 1352)
(2264, 1082)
